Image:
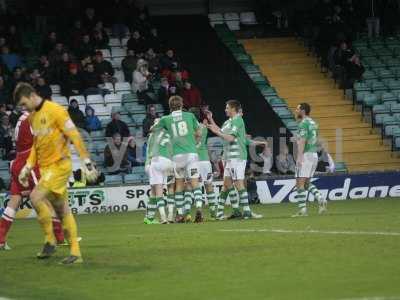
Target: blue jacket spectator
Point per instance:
(11, 60)
(92, 121)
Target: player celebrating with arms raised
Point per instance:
(53, 130)
(307, 160)
(233, 132)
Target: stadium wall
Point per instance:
(114, 199)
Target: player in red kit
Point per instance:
(24, 141)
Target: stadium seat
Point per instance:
(138, 170)
(106, 53)
(124, 41)
(395, 108)
(107, 86)
(80, 98)
(159, 108)
(276, 101)
(379, 118)
(55, 89)
(114, 42)
(60, 100)
(97, 134)
(388, 98)
(283, 112)
(133, 178)
(389, 130)
(139, 118)
(119, 76)
(385, 74)
(369, 75)
(94, 99)
(134, 107)
(4, 164)
(250, 68)
(116, 62)
(113, 98)
(268, 91)
(123, 86)
(129, 97)
(118, 52)
(113, 179)
(340, 167)
(248, 18)
(368, 102)
(101, 110)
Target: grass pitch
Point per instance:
(353, 252)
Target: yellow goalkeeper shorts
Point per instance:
(54, 178)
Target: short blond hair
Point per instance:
(175, 103)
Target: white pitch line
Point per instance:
(384, 233)
(372, 298)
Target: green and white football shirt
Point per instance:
(202, 148)
(181, 126)
(158, 144)
(238, 148)
(308, 130)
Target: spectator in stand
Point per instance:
(119, 12)
(6, 134)
(63, 66)
(100, 41)
(153, 61)
(50, 42)
(76, 34)
(137, 44)
(176, 77)
(92, 121)
(47, 70)
(164, 94)
(115, 153)
(5, 93)
(142, 23)
(72, 83)
(353, 71)
(343, 54)
(43, 89)
(285, 162)
(11, 60)
(132, 152)
(3, 41)
(91, 81)
(85, 61)
(14, 39)
(117, 126)
(169, 61)
(153, 41)
(56, 55)
(89, 20)
(149, 120)
(129, 65)
(268, 160)
(85, 48)
(34, 76)
(325, 161)
(76, 114)
(141, 83)
(191, 96)
(103, 68)
(18, 76)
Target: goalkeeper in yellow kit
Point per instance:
(53, 130)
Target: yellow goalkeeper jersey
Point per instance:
(53, 130)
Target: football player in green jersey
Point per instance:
(184, 130)
(233, 132)
(307, 160)
(159, 167)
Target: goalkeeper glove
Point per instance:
(90, 171)
(23, 176)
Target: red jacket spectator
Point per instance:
(191, 96)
